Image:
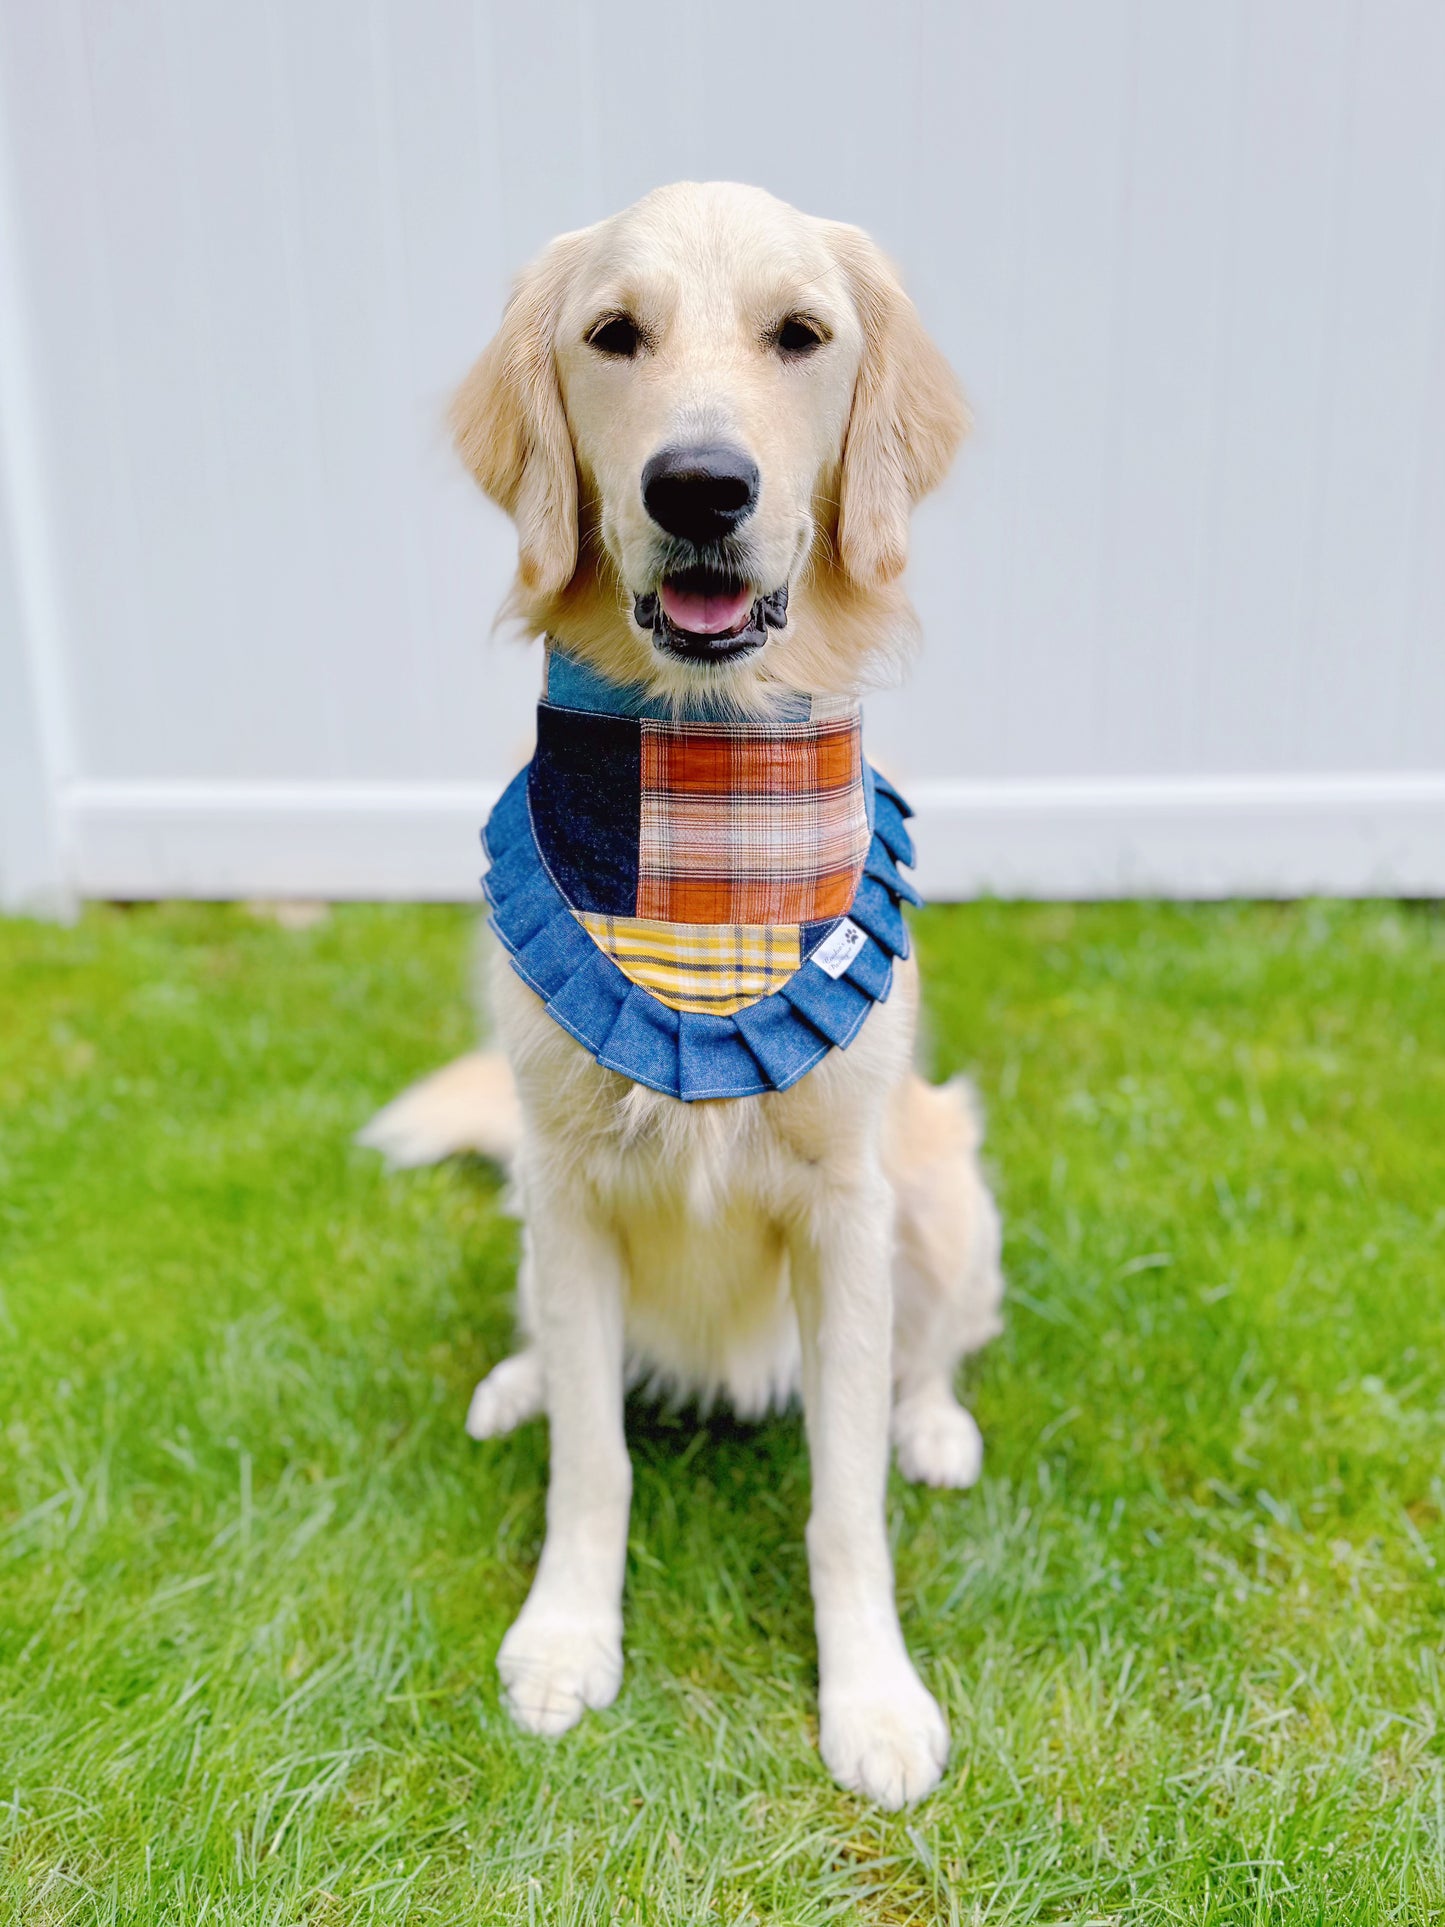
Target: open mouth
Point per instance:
(703, 615)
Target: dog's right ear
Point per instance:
(510, 427)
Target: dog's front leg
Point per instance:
(564, 1652)
(880, 1729)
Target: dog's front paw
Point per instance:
(885, 1739)
(937, 1442)
(555, 1666)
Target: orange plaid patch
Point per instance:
(689, 761)
(745, 826)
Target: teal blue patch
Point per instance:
(572, 684)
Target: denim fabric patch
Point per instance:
(586, 796)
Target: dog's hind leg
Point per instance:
(509, 1395)
(947, 1283)
(469, 1105)
(516, 1390)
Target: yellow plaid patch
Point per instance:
(715, 968)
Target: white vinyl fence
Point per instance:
(1184, 600)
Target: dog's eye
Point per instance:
(615, 334)
(799, 334)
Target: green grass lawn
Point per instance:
(1187, 1632)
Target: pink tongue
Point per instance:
(705, 615)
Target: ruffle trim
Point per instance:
(765, 1046)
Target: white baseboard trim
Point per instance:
(405, 841)
(1214, 836)
(1203, 836)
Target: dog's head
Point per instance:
(709, 418)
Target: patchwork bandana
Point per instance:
(708, 905)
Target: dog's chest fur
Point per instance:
(703, 1196)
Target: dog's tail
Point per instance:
(470, 1105)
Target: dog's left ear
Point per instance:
(511, 429)
(907, 421)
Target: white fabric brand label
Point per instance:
(839, 948)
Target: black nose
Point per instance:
(701, 494)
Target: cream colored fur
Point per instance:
(836, 1239)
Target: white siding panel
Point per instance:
(1299, 64)
(263, 654)
(1165, 389)
(1419, 649)
(1386, 326)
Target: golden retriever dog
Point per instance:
(836, 1237)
